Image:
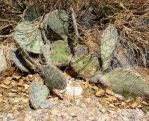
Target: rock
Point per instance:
(38, 95)
(74, 90)
(83, 105)
(3, 62)
(46, 104)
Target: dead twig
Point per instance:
(9, 21)
(6, 36)
(75, 24)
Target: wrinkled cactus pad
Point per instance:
(38, 94)
(126, 82)
(53, 77)
(28, 36)
(86, 65)
(31, 13)
(108, 45)
(19, 62)
(60, 52)
(57, 20)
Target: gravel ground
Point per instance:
(95, 104)
(65, 110)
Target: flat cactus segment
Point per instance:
(31, 13)
(38, 94)
(18, 62)
(86, 65)
(57, 20)
(28, 36)
(60, 53)
(108, 44)
(125, 81)
(53, 77)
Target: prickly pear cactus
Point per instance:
(53, 77)
(126, 82)
(86, 65)
(57, 20)
(60, 53)
(28, 36)
(38, 94)
(18, 61)
(108, 44)
(31, 13)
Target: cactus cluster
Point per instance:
(29, 37)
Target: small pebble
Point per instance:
(83, 105)
(74, 90)
(73, 114)
(46, 104)
(103, 110)
(91, 118)
(54, 112)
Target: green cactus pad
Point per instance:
(108, 44)
(57, 20)
(18, 62)
(60, 53)
(31, 13)
(38, 94)
(125, 81)
(28, 36)
(53, 77)
(86, 65)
